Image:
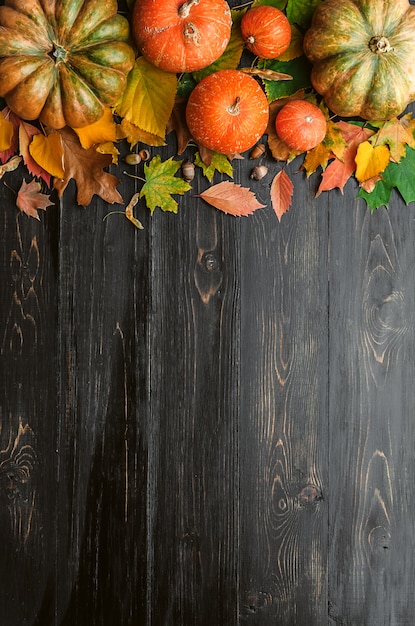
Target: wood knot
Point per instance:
(309, 496)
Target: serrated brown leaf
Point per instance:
(231, 198)
(86, 167)
(281, 193)
(30, 199)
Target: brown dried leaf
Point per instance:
(231, 198)
(86, 167)
(265, 73)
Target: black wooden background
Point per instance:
(209, 421)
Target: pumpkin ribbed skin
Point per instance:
(363, 53)
(181, 35)
(63, 61)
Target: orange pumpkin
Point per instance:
(266, 31)
(227, 112)
(301, 125)
(180, 36)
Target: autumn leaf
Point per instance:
(109, 148)
(86, 168)
(396, 134)
(281, 193)
(26, 134)
(295, 49)
(218, 163)
(231, 198)
(102, 131)
(371, 161)
(333, 144)
(47, 151)
(300, 70)
(30, 199)
(133, 134)
(161, 183)
(177, 123)
(6, 134)
(13, 148)
(265, 73)
(301, 11)
(339, 171)
(148, 98)
(10, 165)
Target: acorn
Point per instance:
(257, 151)
(259, 172)
(188, 171)
(132, 159)
(144, 154)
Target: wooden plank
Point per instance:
(103, 418)
(194, 410)
(28, 338)
(283, 456)
(372, 433)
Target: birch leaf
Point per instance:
(231, 198)
(281, 193)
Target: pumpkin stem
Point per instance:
(379, 44)
(184, 10)
(57, 53)
(234, 108)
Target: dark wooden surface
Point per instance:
(210, 421)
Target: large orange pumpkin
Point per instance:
(181, 36)
(227, 112)
(63, 62)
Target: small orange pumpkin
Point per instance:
(266, 31)
(227, 112)
(181, 36)
(301, 125)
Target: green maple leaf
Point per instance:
(301, 11)
(398, 176)
(161, 183)
(219, 163)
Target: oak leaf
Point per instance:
(30, 199)
(161, 183)
(281, 193)
(371, 161)
(148, 98)
(231, 198)
(86, 167)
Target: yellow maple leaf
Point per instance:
(47, 151)
(102, 131)
(6, 134)
(371, 161)
(148, 98)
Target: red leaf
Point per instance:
(281, 193)
(29, 199)
(231, 198)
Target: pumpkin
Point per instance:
(181, 36)
(266, 31)
(63, 62)
(363, 55)
(227, 112)
(301, 125)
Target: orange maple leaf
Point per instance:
(231, 198)
(30, 199)
(281, 193)
(86, 167)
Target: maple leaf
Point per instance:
(231, 198)
(218, 163)
(47, 151)
(86, 167)
(148, 98)
(371, 161)
(30, 199)
(101, 131)
(339, 171)
(396, 134)
(26, 133)
(161, 183)
(281, 193)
